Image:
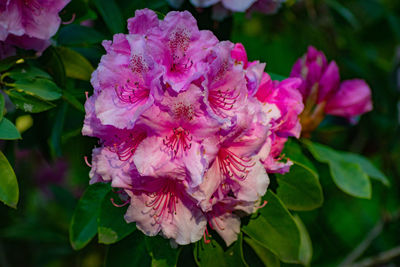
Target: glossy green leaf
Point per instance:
(367, 167)
(275, 229)
(29, 103)
(306, 250)
(8, 62)
(129, 252)
(9, 192)
(111, 15)
(161, 252)
(348, 176)
(211, 254)
(111, 225)
(234, 254)
(73, 101)
(74, 34)
(265, 255)
(27, 72)
(76, 66)
(2, 104)
(299, 189)
(344, 12)
(57, 130)
(43, 88)
(83, 225)
(293, 150)
(8, 131)
(51, 61)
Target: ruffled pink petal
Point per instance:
(352, 99)
(142, 22)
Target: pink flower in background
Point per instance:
(353, 98)
(323, 93)
(181, 129)
(30, 24)
(223, 8)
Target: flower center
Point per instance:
(126, 147)
(164, 201)
(132, 92)
(233, 166)
(224, 100)
(34, 6)
(179, 141)
(179, 42)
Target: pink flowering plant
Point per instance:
(191, 151)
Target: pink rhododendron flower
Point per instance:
(30, 24)
(323, 93)
(353, 98)
(183, 132)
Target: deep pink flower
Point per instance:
(324, 94)
(353, 98)
(29, 24)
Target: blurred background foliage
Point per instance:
(362, 36)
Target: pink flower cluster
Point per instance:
(323, 93)
(28, 24)
(187, 127)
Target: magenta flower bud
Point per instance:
(329, 82)
(352, 99)
(310, 68)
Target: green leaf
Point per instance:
(9, 192)
(52, 63)
(265, 255)
(27, 72)
(129, 252)
(344, 12)
(74, 34)
(306, 250)
(57, 130)
(367, 167)
(8, 131)
(111, 224)
(348, 176)
(351, 179)
(28, 103)
(211, 254)
(300, 188)
(73, 101)
(161, 252)
(83, 225)
(275, 229)
(76, 66)
(43, 88)
(8, 62)
(293, 150)
(2, 105)
(111, 15)
(234, 254)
